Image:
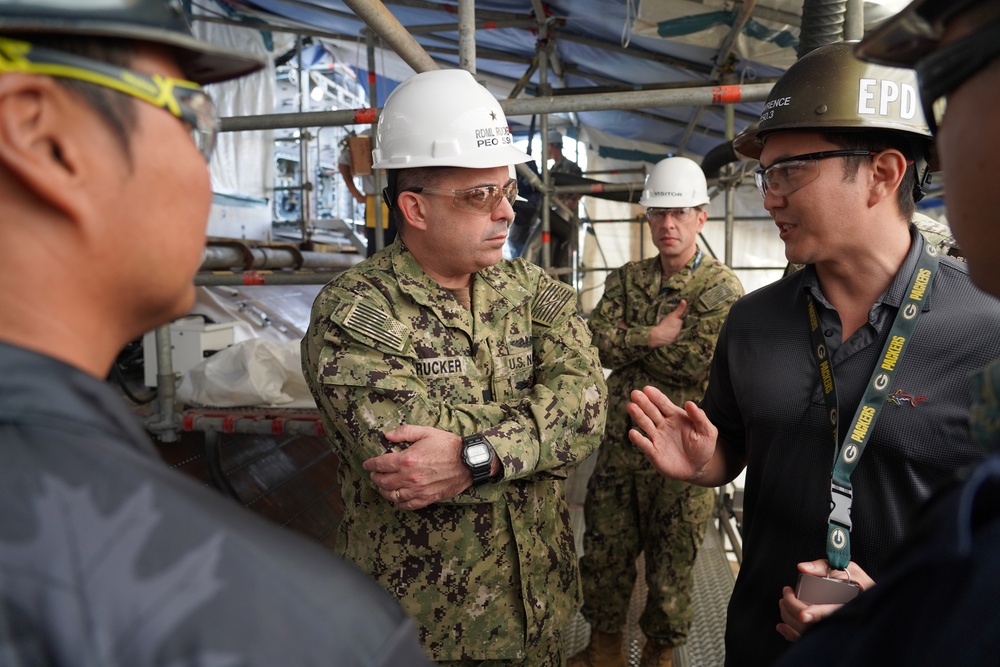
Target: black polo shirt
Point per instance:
(766, 398)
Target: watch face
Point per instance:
(477, 454)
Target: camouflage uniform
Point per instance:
(938, 234)
(630, 508)
(492, 572)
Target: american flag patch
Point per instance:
(371, 321)
(550, 302)
(716, 295)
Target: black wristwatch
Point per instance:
(477, 455)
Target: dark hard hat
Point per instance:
(914, 32)
(155, 21)
(829, 89)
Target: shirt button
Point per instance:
(828, 333)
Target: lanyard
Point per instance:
(838, 537)
(698, 256)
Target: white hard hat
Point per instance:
(554, 137)
(443, 118)
(675, 182)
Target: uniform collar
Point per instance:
(493, 290)
(897, 290)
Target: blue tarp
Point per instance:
(584, 29)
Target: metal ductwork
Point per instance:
(822, 24)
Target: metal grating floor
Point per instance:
(713, 584)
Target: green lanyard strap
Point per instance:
(838, 537)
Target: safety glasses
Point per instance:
(947, 68)
(682, 214)
(787, 175)
(184, 99)
(483, 199)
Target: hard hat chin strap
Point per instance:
(922, 171)
(924, 177)
(390, 189)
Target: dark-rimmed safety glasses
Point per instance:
(950, 66)
(482, 199)
(787, 175)
(184, 99)
(680, 214)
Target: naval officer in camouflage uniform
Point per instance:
(656, 324)
(459, 390)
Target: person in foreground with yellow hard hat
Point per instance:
(842, 389)
(459, 390)
(107, 556)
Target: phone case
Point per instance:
(823, 590)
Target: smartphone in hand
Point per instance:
(824, 590)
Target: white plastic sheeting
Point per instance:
(255, 372)
(243, 162)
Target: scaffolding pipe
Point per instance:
(601, 172)
(721, 61)
(385, 25)
(700, 96)
(164, 422)
(258, 278)
(263, 424)
(304, 204)
(467, 35)
(216, 257)
(854, 20)
(547, 198)
(379, 234)
(730, 189)
(596, 188)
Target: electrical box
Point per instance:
(192, 339)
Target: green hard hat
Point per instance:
(829, 89)
(155, 21)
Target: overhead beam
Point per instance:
(381, 21)
(648, 99)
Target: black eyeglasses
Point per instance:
(785, 176)
(947, 68)
(183, 99)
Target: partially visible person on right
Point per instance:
(937, 604)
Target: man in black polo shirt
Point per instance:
(936, 604)
(817, 371)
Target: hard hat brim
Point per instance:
(201, 62)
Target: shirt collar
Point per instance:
(897, 290)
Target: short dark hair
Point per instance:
(404, 180)
(117, 109)
(878, 141)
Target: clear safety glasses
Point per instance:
(950, 66)
(787, 175)
(483, 199)
(682, 214)
(184, 99)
